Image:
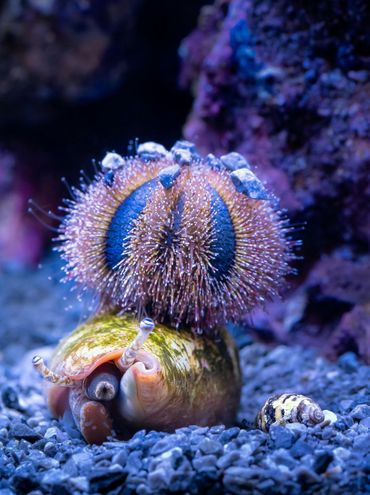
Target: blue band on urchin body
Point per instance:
(177, 219)
(123, 220)
(223, 245)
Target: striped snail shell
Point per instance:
(289, 408)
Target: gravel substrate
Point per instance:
(41, 455)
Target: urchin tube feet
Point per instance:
(49, 375)
(103, 383)
(92, 418)
(128, 358)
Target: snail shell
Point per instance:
(289, 408)
(176, 378)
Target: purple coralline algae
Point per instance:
(22, 239)
(287, 85)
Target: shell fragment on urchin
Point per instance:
(177, 236)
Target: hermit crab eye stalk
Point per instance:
(49, 375)
(145, 329)
(192, 241)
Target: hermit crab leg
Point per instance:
(103, 383)
(91, 417)
(50, 376)
(146, 327)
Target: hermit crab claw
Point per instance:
(141, 380)
(116, 375)
(142, 391)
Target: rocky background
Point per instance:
(286, 83)
(79, 78)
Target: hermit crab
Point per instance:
(187, 242)
(117, 376)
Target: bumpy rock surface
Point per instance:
(287, 84)
(330, 310)
(41, 455)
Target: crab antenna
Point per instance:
(146, 327)
(50, 376)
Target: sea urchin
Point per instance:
(188, 240)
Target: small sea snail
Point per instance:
(289, 408)
(116, 376)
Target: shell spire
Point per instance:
(189, 240)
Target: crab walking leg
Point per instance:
(50, 376)
(91, 417)
(145, 329)
(103, 383)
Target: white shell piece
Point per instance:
(151, 150)
(112, 161)
(234, 161)
(247, 183)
